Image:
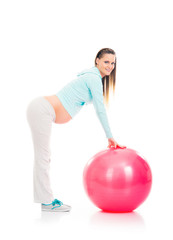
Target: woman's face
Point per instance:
(106, 64)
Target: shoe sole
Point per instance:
(55, 210)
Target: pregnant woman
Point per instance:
(91, 86)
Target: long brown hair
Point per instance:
(107, 81)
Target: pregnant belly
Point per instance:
(62, 116)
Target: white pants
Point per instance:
(40, 115)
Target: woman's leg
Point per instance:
(40, 115)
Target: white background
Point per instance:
(43, 45)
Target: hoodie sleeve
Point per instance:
(96, 88)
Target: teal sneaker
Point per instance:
(55, 206)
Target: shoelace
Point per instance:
(56, 201)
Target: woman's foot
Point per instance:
(55, 206)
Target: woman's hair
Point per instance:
(107, 81)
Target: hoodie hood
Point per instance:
(90, 70)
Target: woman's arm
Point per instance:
(96, 88)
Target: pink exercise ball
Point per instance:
(117, 179)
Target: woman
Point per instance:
(91, 85)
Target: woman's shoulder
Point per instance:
(92, 72)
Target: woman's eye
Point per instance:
(108, 62)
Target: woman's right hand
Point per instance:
(113, 143)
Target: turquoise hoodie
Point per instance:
(86, 88)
